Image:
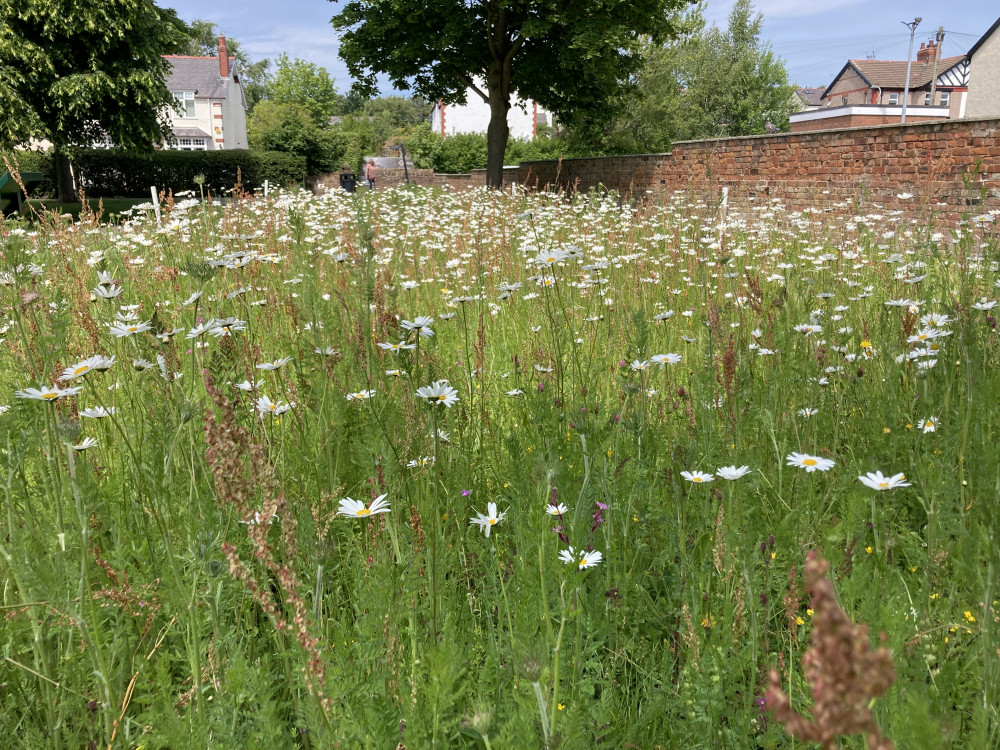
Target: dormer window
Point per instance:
(893, 97)
(185, 103)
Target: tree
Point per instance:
(306, 84)
(570, 57)
(733, 83)
(79, 73)
(203, 40)
(705, 83)
(292, 128)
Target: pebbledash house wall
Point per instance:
(943, 165)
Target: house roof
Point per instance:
(983, 38)
(891, 74)
(198, 74)
(189, 133)
(811, 96)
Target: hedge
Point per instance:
(110, 173)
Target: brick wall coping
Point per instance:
(939, 124)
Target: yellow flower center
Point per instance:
(49, 396)
(363, 512)
(883, 485)
(809, 462)
(491, 521)
(272, 407)
(441, 398)
(80, 370)
(583, 561)
(696, 479)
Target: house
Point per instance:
(870, 92)
(807, 99)
(211, 110)
(523, 118)
(984, 75)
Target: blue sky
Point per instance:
(814, 37)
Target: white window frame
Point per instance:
(191, 144)
(927, 99)
(184, 104)
(893, 98)
(945, 98)
(843, 101)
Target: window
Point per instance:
(945, 98)
(893, 97)
(185, 103)
(191, 144)
(843, 100)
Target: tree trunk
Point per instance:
(497, 133)
(65, 191)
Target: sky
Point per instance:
(814, 37)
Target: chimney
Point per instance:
(224, 57)
(928, 52)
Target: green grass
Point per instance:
(112, 208)
(187, 581)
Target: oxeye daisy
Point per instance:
(85, 444)
(438, 393)
(809, 463)
(98, 412)
(488, 521)
(929, 425)
(732, 472)
(876, 481)
(123, 331)
(47, 394)
(86, 366)
(556, 510)
(665, 359)
(268, 408)
(697, 476)
(360, 395)
(275, 365)
(421, 325)
(580, 559)
(357, 509)
(390, 347)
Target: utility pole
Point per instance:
(912, 26)
(937, 56)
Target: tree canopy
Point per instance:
(306, 84)
(572, 58)
(706, 83)
(85, 72)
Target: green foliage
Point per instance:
(105, 173)
(292, 128)
(706, 83)
(184, 579)
(572, 59)
(306, 85)
(82, 73)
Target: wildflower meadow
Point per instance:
(484, 469)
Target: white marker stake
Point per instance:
(266, 186)
(156, 201)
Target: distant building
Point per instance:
(870, 92)
(523, 118)
(211, 110)
(807, 99)
(984, 75)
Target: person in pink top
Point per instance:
(370, 174)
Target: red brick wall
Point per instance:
(857, 121)
(819, 168)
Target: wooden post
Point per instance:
(156, 202)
